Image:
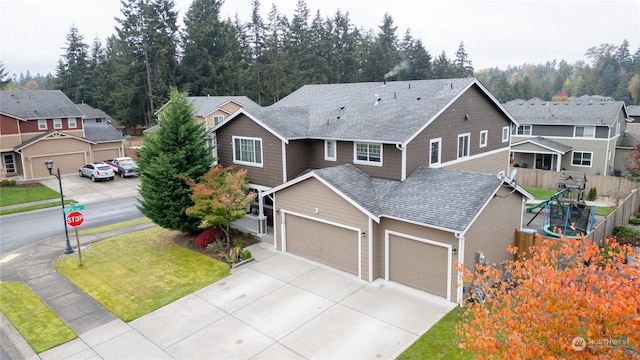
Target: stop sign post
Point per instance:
(75, 218)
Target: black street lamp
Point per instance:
(49, 165)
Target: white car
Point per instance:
(97, 171)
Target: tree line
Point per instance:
(131, 75)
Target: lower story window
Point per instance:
(581, 158)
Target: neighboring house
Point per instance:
(388, 180)
(94, 116)
(581, 134)
(634, 112)
(44, 124)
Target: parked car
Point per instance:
(97, 171)
(123, 166)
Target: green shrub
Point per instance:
(7, 182)
(626, 235)
(634, 221)
(593, 194)
(246, 254)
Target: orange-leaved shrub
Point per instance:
(569, 298)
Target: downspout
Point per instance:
(370, 250)
(459, 291)
(284, 162)
(403, 171)
(606, 155)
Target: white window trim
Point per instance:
(42, 122)
(584, 137)
(217, 117)
(246, 163)
(582, 152)
(505, 134)
(13, 162)
(72, 123)
(57, 123)
(363, 162)
(326, 150)
(468, 136)
(486, 138)
(525, 133)
(439, 141)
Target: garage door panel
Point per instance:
(68, 164)
(106, 154)
(325, 243)
(418, 264)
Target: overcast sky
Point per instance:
(495, 33)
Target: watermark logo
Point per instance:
(578, 343)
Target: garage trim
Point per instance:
(284, 233)
(387, 234)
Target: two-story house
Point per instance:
(44, 124)
(581, 134)
(392, 180)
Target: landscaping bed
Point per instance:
(188, 241)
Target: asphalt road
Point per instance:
(18, 230)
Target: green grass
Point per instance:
(604, 210)
(120, 225)
(38, 325)
(12, 195)
(540, 194)
(33, 207)
(440, 342)
(136, 273)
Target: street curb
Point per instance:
(13, 343)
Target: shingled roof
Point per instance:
(102, 133)
(439, 198)
(589, 111)
(38, 104)
(205, 105)
(361, 111)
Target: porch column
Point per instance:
(261, 220)
(558, 162)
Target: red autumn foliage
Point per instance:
(208, 236)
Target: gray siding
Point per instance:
(270, 174)
(552, 130)
(489, 164)
(602, 132)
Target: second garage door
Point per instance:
(419, 264)
(326, 243)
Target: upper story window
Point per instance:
(435, 148)
(71, 123)
(57, 123)
(463, 145)
(524, 130)
(42, 124)
(247, 151)
(581, 158)
(217, 119)
(505, 134)
(484, 134)
(369, 154)
(584, 131)
(98, 121)
(330, 150)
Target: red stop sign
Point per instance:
(75, 218)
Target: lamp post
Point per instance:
(49, 165)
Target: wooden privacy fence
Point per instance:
(615, 188)
(620, 216)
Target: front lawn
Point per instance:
(38, 325)
(10, 195)
(440, 342)
(136, 273)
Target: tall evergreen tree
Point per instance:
(383, 55)
(4, 77)
(417, 58)
(462, 63)
(277, 68)
(178, 148)
(73, 76)
(443, 68)
(256, 36)
(344, 49)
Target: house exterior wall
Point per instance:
(494, 229)
(270, 174)
(483, 115)
(307, 196)
(67, 153)
(297, 158)
(488, 163)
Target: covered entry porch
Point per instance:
(539, 153)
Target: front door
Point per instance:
(9, 164)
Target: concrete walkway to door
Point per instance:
(277, 306)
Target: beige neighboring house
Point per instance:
(44, 124)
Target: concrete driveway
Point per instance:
(85, 191)
(278, 306)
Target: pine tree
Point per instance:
(4, 77)
(462, 64)
(177, 149)
(73, 76)
(383, 55)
